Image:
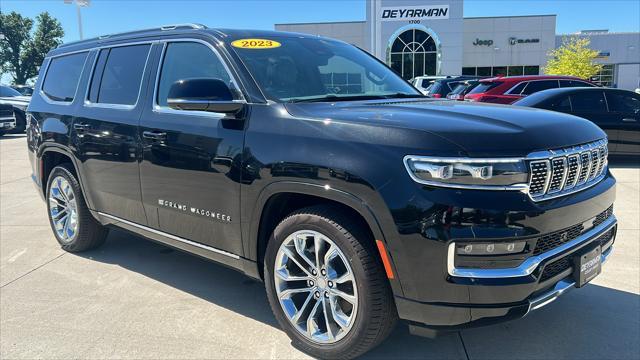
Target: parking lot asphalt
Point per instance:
(136, 299)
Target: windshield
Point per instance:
(6, 91)
(309, 69)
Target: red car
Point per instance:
(505, 90)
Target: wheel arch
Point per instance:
(274, 202)
(52, 155)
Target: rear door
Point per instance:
(625, 106)
(105, 134)
(591, 105)
(189, 173)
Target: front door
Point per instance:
(190, 158)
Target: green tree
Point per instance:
(573, 58)
(21, 51)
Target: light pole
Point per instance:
(79, 4)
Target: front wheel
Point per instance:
(326, 285)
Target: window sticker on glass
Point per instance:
(255, 44)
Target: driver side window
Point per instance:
(186, 60)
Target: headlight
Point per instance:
(470, 173)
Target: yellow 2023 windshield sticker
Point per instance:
(255, 44)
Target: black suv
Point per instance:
(357, 201)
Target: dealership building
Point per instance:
(432, 37)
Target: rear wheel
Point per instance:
(72, 224)
(326, 285)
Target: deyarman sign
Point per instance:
(397, 13)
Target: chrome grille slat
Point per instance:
(560, 172)
(573, 165)
(595, 163)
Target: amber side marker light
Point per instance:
(385, 259)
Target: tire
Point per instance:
(374, 310)
(80, 231)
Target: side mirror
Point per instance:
(203, 95)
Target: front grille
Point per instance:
(600, 218)
(556, 268)
(6, 112)
(553, 240)
(606, 237)
(564, 171)
(560, 265)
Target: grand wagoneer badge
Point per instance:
(202, 212)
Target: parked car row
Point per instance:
(19, 102)
(505, 90)
(615, 111)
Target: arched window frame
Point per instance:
(419, 27)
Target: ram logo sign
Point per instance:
(408, 13)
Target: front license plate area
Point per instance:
(587, 265)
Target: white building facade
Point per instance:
(432, 37)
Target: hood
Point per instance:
(479, 129)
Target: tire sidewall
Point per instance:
(65, 173)
(321, 225)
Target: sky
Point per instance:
(113, 16)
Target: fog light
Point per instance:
(490, 249)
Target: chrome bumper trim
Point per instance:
(529, 265)
(561, 287)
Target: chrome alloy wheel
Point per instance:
(316, 286)
(63, 209)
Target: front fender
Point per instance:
(322, 191)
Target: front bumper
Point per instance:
(495, 282)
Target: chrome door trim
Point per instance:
(170, 236)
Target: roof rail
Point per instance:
(142, 31)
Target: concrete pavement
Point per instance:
(136, 299)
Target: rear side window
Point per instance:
(434, 88)
(574, 83)
(484, 86)
(118, 75)
(518, 89)
(588, 101)
(186, 60)
(62, 77)
(624, 103)
(535, 86)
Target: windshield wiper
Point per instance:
(404, 96)
(332, 97)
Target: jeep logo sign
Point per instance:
(414, 13)
(479, 42)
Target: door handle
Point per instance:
(81, 127)
(629, 120)
(154, 135)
